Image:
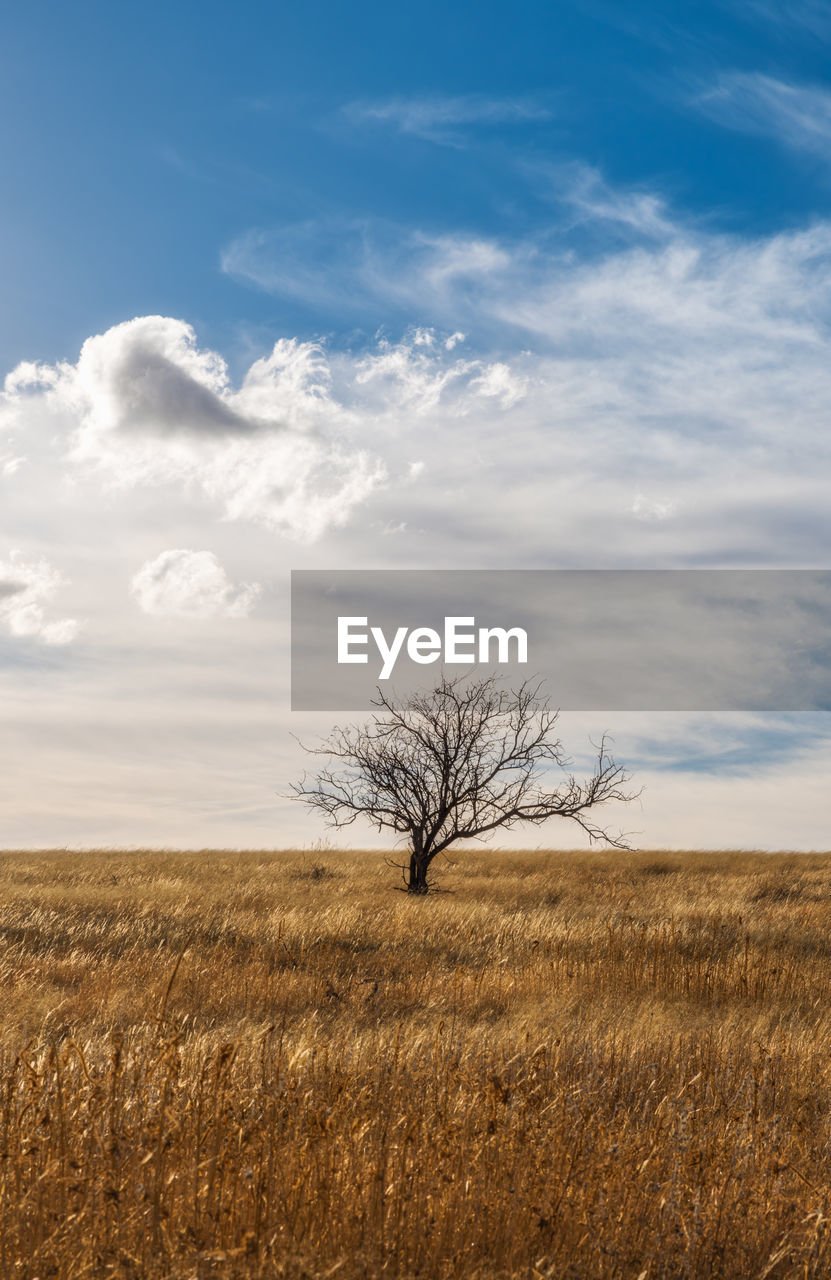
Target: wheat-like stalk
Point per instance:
(577, 1065)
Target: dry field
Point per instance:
(274, 1065)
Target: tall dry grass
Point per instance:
(272, 1065)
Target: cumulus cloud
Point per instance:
(26, 592)
(441, 119)
(415, 374)
(149, 406)
(191, 584)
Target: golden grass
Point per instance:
(273, 1065)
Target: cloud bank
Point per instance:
(662, 388)
(628, 389)
(575, 399)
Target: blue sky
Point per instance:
(323, 286)
(141, 140)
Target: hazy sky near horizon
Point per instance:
(377, 286)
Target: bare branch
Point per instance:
(458, 763)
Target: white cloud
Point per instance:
(26, 592)
(664, 364)
(148, 377)
(633, 302)
(365, 265)
(652, 511)
(191, 584)
(10, 463)
(414, 375)
(799, 115)
(584, 189)
(656, 401)
(439, 119)
(592, 372)
(812, 15)
(498, 382)
(150, 407)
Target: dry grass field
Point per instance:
(274, 1065)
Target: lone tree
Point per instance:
(453, 764)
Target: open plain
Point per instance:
(266, 1064)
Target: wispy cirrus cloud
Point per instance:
(704, 288)
(582, 189)
(353, 265)
(797, 115)
(443, 119)
(813, 16)
(357, 265)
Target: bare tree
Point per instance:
(456, 763)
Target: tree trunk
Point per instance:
(419, 862)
